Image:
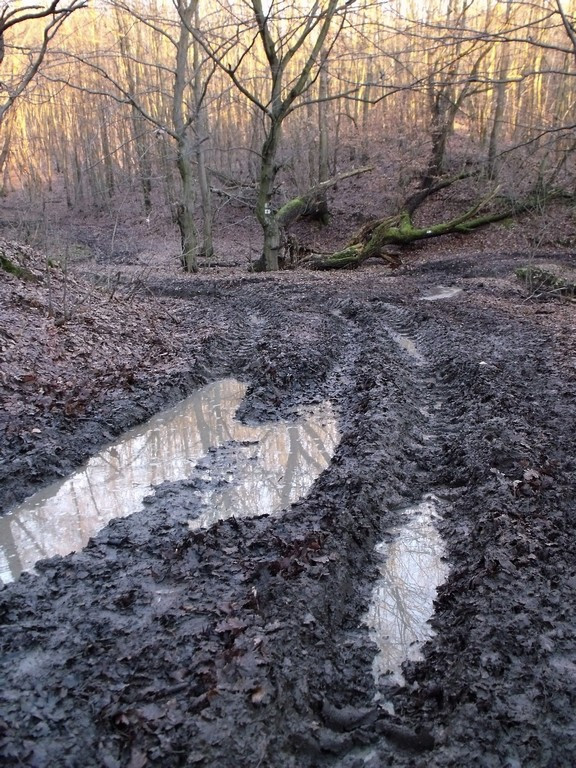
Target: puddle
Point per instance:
(274, 471)
(439, 292)
(275, 464)
(402, 599)
(408, 345)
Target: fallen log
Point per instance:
(384, 238)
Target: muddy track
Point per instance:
(244, 645)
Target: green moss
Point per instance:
(541, 280)
(9, 266)
(290, 210)
(346, 259)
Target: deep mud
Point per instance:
(243, 645)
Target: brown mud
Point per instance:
(243, 645)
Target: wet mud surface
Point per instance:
(244, 644)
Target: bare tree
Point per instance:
(283, 95)
(168, 94)
(295, 45)
(15, 16)
(568, 23)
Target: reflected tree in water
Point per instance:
(402, 600)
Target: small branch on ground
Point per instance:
(542, 283)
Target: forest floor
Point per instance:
(256, 653)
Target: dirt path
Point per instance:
(243, 645)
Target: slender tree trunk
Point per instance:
(207, 247)
(166, 159)
(144, 164)
(366, 94)
(138, 136)
(202, 135)
(107, 156)
(78, 179)
(499, 107)
(4, 155)
(323, 150)
(272, 246)
(184, 147)
(440, 130)
(496, 130)
(185, 209)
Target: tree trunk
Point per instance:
(184, 146)
(271, 249)
(312, 204)
(4, 155)
(323, 122)
(382, 238)
(138, 136)
(185, 209)
(500, 94)
(207, 246)
(107, 156)
(144, 162)
(202, 135)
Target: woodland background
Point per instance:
(194, 115)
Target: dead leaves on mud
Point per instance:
(65, 346)
(158, 645)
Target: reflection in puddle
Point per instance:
(274, 471)
(440, 292)
(277, 463)
(402, 600)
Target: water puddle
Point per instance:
(268, 474)
(439, 292)
(275, 464)
(408, 345)
(402, 599)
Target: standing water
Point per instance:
(402, 600)
(440, 292)
(273, 466)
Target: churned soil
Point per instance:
(243, 645)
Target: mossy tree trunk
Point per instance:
(376, 239)
(312, 204)
(272, 239)
(7, 265)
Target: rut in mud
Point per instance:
(244, 644)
